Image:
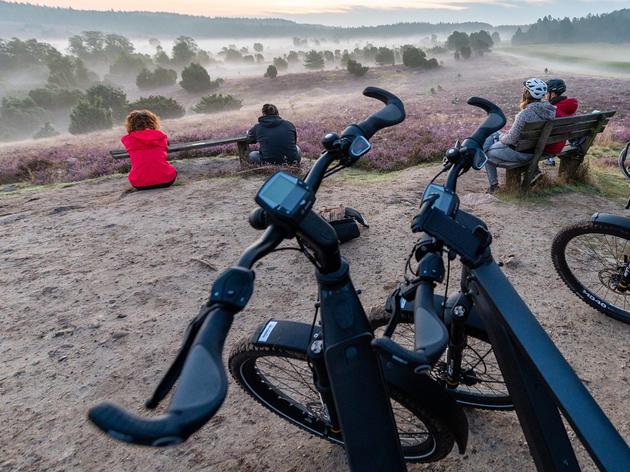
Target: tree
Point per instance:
(272, 72)
(112, 98)
(216, 103)
(231, 54)
(496, 38)
(293, 57)
(314, 60)
(116, 45)
(329, 56)
(54, 98)
(67, 71)
(195, 78)
(184, 50)
(481, 42)
(280, 64)
(457, 40)
(466, 52)
(414, 57)
(160, 77)
(385, 56)
(88, 116)
(164, 107)
(20, 116)
(356, 68)
(129, 65)
(46, 131)
(258, 47)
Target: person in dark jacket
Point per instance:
(277, 139)
(564, 107)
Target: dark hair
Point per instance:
(269, 109)
(141, 119)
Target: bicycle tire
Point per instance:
(590, 296)
(247, 369)
(623, 156)
(493, 396)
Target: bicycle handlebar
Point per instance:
(200, 393)
(392, 114)
(494, 122)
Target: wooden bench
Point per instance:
(241, 142)
(539, 134)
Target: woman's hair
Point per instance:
(526, 99)
(269, 109)
(141, 119)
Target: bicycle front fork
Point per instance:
(457, 341)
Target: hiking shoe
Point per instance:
(550, 162)
(492, 189)
(535, 178)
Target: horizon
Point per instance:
(352, 13)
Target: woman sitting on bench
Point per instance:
(500, 147)
(146, 145)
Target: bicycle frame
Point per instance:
(541, 382)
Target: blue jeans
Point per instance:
(256, 158)
(501, 155)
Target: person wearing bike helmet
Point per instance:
(500, 147)
(564, 107)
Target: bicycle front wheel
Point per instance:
(481, 383)
(590, 258)
(282, 381)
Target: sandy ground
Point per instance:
(98, 285)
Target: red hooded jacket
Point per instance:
(565, 107)
(147, 150)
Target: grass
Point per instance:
(605, 56)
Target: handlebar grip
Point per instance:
(392, 114)
(431, 336)
(494, 122)
(200, 392)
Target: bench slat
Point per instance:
(558, 130)
(529, 144)
(567, 120)
(191, 146)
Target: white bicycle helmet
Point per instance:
(537, 88)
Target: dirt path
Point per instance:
(98, 286)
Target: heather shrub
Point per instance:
(195, 78)
(356, 68)
(215, 103)
(164, 107)
(160, 77)
(54, 98)
(272, 72)
(90, 115)
(110, 97)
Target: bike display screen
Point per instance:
(447, 201)
(285, 196)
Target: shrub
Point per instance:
(248, 59)
(160, 77)
(466, 52)
(356, 68)
(215, 103)
(314, 60)
(90, 115)
(53, 98)
(414, 57)
(385, 56)
(280, 64)
(110, 97)
(272, 72)
(162, 106)
(258, 47)
(46, 131)
(195, 78)
(20, 117)
(293, 57)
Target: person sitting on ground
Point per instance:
(564, 107)
(146, 145)
(277, 139)
(500, 147)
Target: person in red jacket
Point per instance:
(564, 107)
(146, 145)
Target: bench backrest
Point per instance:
(562, 129)
(189, 146)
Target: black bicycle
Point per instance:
(371, 394)
(592, 258)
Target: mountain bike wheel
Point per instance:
(590, 258)
(282, 381)
(481, 382)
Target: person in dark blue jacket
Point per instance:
(277, 139)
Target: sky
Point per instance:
(363, 12)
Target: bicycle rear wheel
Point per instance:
(590, 258)
(481, 382)
(282, 381)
